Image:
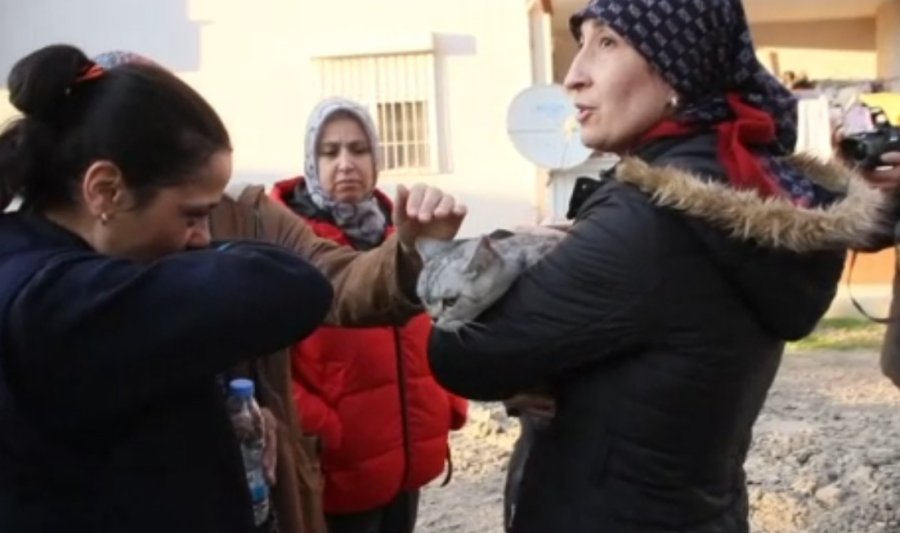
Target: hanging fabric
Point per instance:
(814, 127)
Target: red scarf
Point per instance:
(750, 126)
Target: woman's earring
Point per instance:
(674, 102)
(104, 218)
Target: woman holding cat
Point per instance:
(659, 322)
(367, 393)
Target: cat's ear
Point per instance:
(429, 248)
(483, 257)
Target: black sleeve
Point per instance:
(93, 337)
(885, 236)
(584, 301)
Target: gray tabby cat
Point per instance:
(462, 278)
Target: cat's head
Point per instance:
(462, 278)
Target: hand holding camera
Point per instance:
(886, 178)
(876, 152)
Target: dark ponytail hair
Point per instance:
(153, 126)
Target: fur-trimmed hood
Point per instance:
(853, 221)
(784, 260)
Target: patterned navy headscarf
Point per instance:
(704, 50)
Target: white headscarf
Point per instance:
(364, 220)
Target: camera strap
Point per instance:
(854, 301)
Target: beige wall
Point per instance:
(888, 39)
(844, 49)
(252, 61)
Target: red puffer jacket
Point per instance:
(369, 394)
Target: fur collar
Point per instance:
(851, 222)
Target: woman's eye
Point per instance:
(359, 150)
(606, 42)
(195, 220)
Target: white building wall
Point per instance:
(253, 61)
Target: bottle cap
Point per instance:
(241, 388)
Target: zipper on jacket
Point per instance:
(404, 415)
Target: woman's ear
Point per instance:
(103, 189)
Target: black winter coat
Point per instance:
(659, 322)
(111, 416)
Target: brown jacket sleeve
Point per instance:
(371, 288)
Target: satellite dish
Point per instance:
(542, 126)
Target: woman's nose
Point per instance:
(199, 237)
(576, 78)
(345, 160)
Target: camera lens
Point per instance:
(854, 149)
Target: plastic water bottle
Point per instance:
(248, 426)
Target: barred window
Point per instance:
(399, 91)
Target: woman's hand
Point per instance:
(887, 179)
(536, 404)
(270, 445)
(425, 211)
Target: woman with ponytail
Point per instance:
(118, 316)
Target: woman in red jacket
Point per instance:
(368, 393)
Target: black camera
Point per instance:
(865, 149)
